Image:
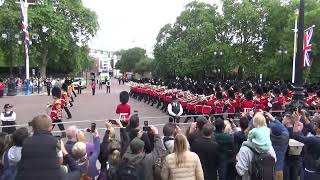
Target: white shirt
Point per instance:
(11, 118)
(172, 113)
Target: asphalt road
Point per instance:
(86, 107)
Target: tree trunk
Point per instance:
(44, 62)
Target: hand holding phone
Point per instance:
(146, 126)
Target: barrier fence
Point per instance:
(166, 118)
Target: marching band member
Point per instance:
(56, 109)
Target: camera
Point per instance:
(146, 126)
(93, 128)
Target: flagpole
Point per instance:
(295, 45)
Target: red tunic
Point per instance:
(247, 104)
(124, 109)
(56, 110)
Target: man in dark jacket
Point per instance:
(39, 153)
(226, 151)
(207, 150)
(280, 139)
(144, 162)
(312, 147)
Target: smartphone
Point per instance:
(112, 121)
(146, 126)
(29, 123)
(93, 127)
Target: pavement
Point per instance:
(86, 107)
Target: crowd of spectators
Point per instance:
(209, 149)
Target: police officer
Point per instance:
(175, 109)
(8, 117)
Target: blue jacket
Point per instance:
(279, 143)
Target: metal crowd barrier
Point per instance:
(144, 118)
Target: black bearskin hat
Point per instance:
(124, 97)
(259, 91)
(219, 95)
(56, 91)
(199, 90)
(276, 91)
(249, 95)
(64, 86)
(231, 93)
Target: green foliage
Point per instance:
(248, 33)
(129, 59)
(64, 28)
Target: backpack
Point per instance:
(262, 166)
(9, 171)
(158, 164)
(129, 171)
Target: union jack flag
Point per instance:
(307, 46)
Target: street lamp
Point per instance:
(298, 94)
(282, 52)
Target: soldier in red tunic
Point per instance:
(56, 109)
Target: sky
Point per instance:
(133, 23)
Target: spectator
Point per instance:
(245, 154)
(133, 131)
(12, 156)
(86, 160)
(312, 147)
(226, 149)
(71, 133)
(293, 159)
(280, 140)
(143, 162)
(182, 164)
(39, 153)
(207, 150)
(241, 136)
(169, 132)
(194, 130)
(71, 171)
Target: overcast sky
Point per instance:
(133, 23)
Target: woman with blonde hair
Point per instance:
(182, 164)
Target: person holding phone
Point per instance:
(175, 109)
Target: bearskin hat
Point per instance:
(219, 95)
(249, 95)
(259, 91)
(276, 91)
(231, 93)
(64, 86)
(124, 97)
(56, 91)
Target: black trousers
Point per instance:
(108, 89)
(48, 90)
(74, 93)
(61, 126)
(8, 130)
(79, 90)
(93, 91)
(67, 111)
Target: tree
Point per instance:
(64, 28)
(129, 59)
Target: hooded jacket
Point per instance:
(147, 160)
(279, 143)
(245, 157)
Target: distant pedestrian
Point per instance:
(79, 87)
(8, 117)
(108, 85)
(49, 85)
(93, 87)
(119, 81)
